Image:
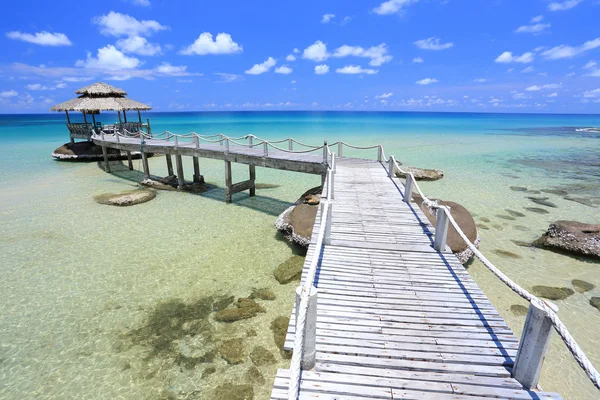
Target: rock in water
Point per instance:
(263, 294)
(519, 310)
(232, 351)
(245, 308)
(595, 302)
(297, 222)
(289, 270)
(582, 286)
(572, 237)
(128, 198)
(553, 293)
(229, 391)
(279, 327)
(422, 174)
(261, 356)
(543, 201)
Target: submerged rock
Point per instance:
(506, 217)
(209, 371)
(232, 351)
(263, 294)
(253, 375)
(245, 309)
(553, 293)
(580, 200)
(514, 213)
(543, 201)
(506, 254)
(582, 286)
(518, 188)
(572, 237)
(422, 174)
(595, 302)
(279, 328)
(127, 198)
(484, 219)
(261, 356)
(521, 228)
(519, 310)
(522, 243)
(297, 222)
(289, 270)
(558, 192)
(537, 210)
(484, 227)
(229, 391)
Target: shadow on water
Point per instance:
(263, 204)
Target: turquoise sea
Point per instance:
(83, 285)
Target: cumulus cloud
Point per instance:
(138, 45)
(261, 68)
(355, 69)
(321, 69)
(418, 60)
(8, 93)
(77, 78)
(39, 86)
(108, 58)
(535, 26)
(536, 88)
(393, 6)
(316, 52)
(508, 57)
(41, 38)
(480, 80)
(290, 58)
(223, 44)
(327, 18)
(143, 3)
(117, 24)
(591, 93)
(563, 51)
(284, 69)
(528, 70)
(384, 95)
(426, 81)
(172, 70)
(563, 5)
(433, 43)
(553, 95)
(590, 65)
(377, 54)
(228, 78)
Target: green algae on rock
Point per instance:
(595, 302)
(263, 294)
(127, 198)
(253, 375)
(537, 210)
(209, 371)
(232, 351)
(279, 327)
(582, 286)
(261, 356)
(552, 293)
(507, 254)
(519, 310)
(514, 213)
(289, 270)
(230, 391)
(245, 309)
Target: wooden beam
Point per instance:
(196, 170)
(180, 177)
(146, 166)
(120, 123)
(84, 117)
(139, 116)
(169, 165)
(68, 119)
(125, 116)
(105, 154)
(241, 186)
(252, 171)
(129, 161)
(228, 184)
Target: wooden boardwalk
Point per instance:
(395, 318)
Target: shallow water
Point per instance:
(80, 278)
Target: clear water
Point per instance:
(78, 277)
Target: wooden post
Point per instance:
(228, 182)
(196, 170)
(392, 167)
(197, 141)
(145, 165)
(408, 188)
(129, 161)
(323, 180)
(325, 152)
(85, 118)
(252, 172)
(149, 130)
(309, 353)
(120, 122)
(340, 148)
(180, 178)
(105, 154)
(380, 153)
(125, 116)
(441, 229)
(93, 122)
(290, 144)
(139, 116)
(169, 165)
(250, 140)
(227, 145)
(68, 119)
(265, 149)
(328, 220)
(220, 139)
(176, 140)
(533, 345)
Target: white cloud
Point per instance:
(261, 68)
(77, 78)
(117, 24)
(355, 69)
(108, 58)
(591, 93)
(377, 54)
(521, 96)
(172, 70)
(418, 60)
(41, 38)
(533, 28)
(595, 73)
(296, 50)
(321, 69)
(564, 51)
(327, 17)
(143, 3)
(433, 43)
(426, 81)
(563, 5)
(8, 93)
(228, 78)
(393, 6)
(290, 58)
(590, 65)
(138, 45)
(528, 70)
(507, 57)
(480, 80)
(316, 52)
(553, 95)
(284, 69)
(223, 44)
(120, 77)
(536, 88)
(385, 95)
(537, 19)
(39, 86)
(346, 20)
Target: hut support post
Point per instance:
(68, 119)
(129, 161)
(252, 172)
(105, 154)
(149, 129)
(125, 116)
(146, 166)
(309, 352)
(180, 178)
(139, 116)
(169, 165)
(228, 183)
(196, 170)
(69, 123)
(120, 123)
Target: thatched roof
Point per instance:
(101, 89)
(100, 96)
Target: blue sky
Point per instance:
(422, 55)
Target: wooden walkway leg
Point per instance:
(105, 154)
(228, 182)
(146, 166)
(252, 170)
(180, 178)
(129, 161)
(196, 170)
(323, 180)
(169, 165)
